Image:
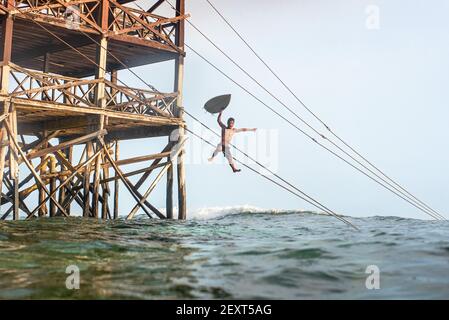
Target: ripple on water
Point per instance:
(264, 255)
(305, 254)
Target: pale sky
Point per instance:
(384, 91)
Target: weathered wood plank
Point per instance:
(67, 144)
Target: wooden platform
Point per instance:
(34, 116)
(135, 47)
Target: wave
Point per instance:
(218, 212)
(206, 213)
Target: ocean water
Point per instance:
(227, 253)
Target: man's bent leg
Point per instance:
(228, 155)
(216, 151)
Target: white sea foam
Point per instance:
(206, 213)
(216, 212)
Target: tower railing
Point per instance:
(49, 87)
(83, 15)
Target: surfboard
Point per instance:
(217, 104)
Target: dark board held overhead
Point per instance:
(217, 104)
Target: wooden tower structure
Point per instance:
(60, 90)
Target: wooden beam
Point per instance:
(40, 141)
(25, 104)
(149, 27)
(144, 177)
(3, 148)
(3, 9)
(100, 99)
(13, 161)
(6, 40)
(116, 182)
(86, 183)
(5, 58)
(43, 170)
(134, 192)
(67, 144)
(155, 6)
(135, 172)
(140, 159)
(156, 180)
(52, 186)
(179, 78)
(105, 188)
(169, 193)
(62, 175)
(114, 80)
(147, 193)
(50, 195)
(30, 166)
(62, 191)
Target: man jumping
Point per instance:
(227, 132)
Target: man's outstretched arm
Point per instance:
(245, 129)
(220, 123)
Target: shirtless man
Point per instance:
(227, 132)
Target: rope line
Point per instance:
(405, 195)
(300, 195)
(260, 164)
(316, 141)
(270, 69)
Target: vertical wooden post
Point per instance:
(116, 182)
(42, 195)
(169, 195)
(5, 57)
(3, 146)
(86, 182)
(63, 191)
(52, 185)
(96, 186)
(100, 96)
(13, 164)
(179, 77)
(6, 48)
(105, 188)
(114, 80)
(46, 69)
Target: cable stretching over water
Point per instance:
(262, 166)
(270, 69)
(302, 195)
(403, 195)
(317, 142)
